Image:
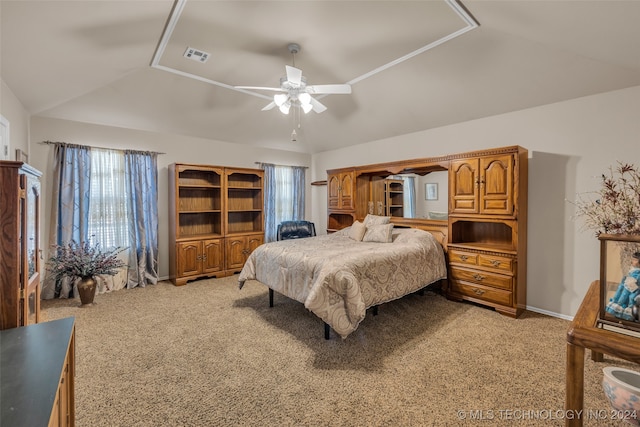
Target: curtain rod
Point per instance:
(93, 146)
(290, 166)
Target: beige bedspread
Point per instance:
(338, 278)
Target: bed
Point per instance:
(337, 276)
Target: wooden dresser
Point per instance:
(37, 368)
(216, 217)
(488, 229)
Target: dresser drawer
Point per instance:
(496, 262)
(484, 293)
(482, 278)
(457, 256)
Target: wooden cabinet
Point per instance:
(239, 248)
(207, 204)
(341, 194)
(387, 197)
(20, 262)
(37, 366)
(482, 185)
(199, 257)
(341, 189)
(488, 229)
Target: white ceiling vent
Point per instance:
(196, 55)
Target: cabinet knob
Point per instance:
(478, 291)
(464, 257)
(478, 277)
(495, 262)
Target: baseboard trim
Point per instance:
(550, 313)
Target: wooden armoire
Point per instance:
(216, 217)
(20, 262)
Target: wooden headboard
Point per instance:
(438, 228)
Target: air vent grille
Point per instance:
(196, 55)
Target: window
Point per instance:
(284, 196)
(108, 202)
(284, 193)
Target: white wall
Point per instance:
(179, 149)
(570, 145)
(13, 110)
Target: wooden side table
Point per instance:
(584, 333)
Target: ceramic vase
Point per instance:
(87, 290)
(622, 388)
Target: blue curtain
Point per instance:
(141, 172)
(284, 196)
(70, 206)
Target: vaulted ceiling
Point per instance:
(413, 65)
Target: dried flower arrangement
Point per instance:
(83, 260)
(615, 209)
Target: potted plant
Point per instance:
(613, 212)
(83, 261)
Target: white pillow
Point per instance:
(438, 215)
(379, 233)
(370, 220)
(357, 231)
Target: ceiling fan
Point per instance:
(295, 91)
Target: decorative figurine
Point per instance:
(623, 302)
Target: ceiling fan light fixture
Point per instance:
(304, 98)
(306, 108)
(280, 99)
(284, 108)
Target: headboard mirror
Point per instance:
(423, 196)
(413, 192)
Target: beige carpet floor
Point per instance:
(209, 354)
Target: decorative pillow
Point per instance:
(438, 215)
(357, 231)
(379, 233)
(370, 220)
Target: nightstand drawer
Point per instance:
(482, 278)
(461, 257)
(496, 262)
(485, 293)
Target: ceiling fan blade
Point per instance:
(275, 89)
(339, 89)
(269, 106)
(294, 75)
(317, 106)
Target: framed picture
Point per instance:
(21, 156)
(431, 191)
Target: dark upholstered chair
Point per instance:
(295, 230)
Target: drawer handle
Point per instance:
(478, 277)
(478, 291)
(495, 262)
(464, 257)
